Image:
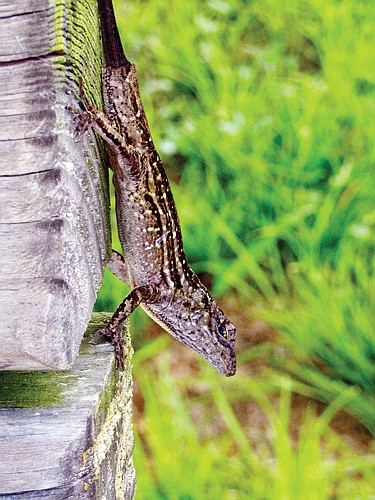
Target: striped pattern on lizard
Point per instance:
(154, 262)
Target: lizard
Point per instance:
(154, 262)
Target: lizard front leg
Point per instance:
(143, 293)
(118, 267)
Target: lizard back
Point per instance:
(151, 235)
(149, 230)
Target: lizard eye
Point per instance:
(222, 329)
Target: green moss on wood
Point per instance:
(35, 389)
(30, 389)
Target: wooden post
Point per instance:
(54, 223)
(68, 434)
(62, 434)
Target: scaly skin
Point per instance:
(154, 262)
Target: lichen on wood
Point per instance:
(78, 443)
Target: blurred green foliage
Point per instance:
(262, 113)
(191, 444)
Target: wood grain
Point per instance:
(68, 434)
(54, 221)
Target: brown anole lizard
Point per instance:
(154, 262)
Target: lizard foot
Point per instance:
(114, 336)
(84, 118)
(83, 121)
(118, 344)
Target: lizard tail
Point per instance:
(114, 56)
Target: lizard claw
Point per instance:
(118, 343)
(103, 334)
(83, 119)
(115, 336)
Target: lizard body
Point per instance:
(154, 262)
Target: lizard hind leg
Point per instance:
(108, 129)
(112, 330)
(85, 119)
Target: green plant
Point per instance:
(262, 112)
(197, 447)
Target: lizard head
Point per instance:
(196, 320)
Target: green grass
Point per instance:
(195, 447)
(263, 114)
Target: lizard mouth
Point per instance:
(228, 364)
(231, 369)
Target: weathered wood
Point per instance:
(68, 434)
(54, 222)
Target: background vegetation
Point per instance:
(263, 113)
